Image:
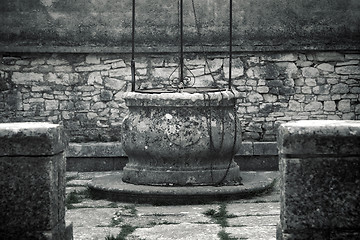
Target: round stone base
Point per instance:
(200, 177)
(113, 188)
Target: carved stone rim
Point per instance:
(219, 98)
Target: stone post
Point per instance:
(320, 180)
(32, 181)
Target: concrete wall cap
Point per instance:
(31, 138)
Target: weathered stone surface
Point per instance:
(255, 97)
(313, 106)
(246, 148)
(326, 67)
(33, 204)
(32, 180)
(164, 148)
(92, 59)
(318, 137)
(344, 105)
(237, 68)
(95, 77)
(329, 105)
(255, 218)
(348, 70)
(81, 77)
(180, 231)
(310, 72)
(310, 82)
(26, 78)
(265, 148)
(51, 104)
(252, 232)
(92, 68)
(120, 72)
(329, 56)
(113, 149)
(31, 138)
(281, 57)
(317, 234)
(106, 95)
(319, 178)
(113, 83)
(340, 88)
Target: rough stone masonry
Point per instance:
(85, 91)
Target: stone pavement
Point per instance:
(254, 218)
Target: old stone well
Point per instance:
(180, 147)
(180, 139)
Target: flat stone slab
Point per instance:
(31, 139)
(181, 231)
(255, 218)
(113, 188)
(319, 137)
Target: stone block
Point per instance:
(340, 88)
(329, 105)
(320, 179)
(294, 106)
(255, 97)
(92, 68)
(321, 89)
(120, 72)
(98, 149)
(265, 148)
(63, 68)
(344, 105)
(325, 67)
(31, 138)
(32, 181)
(310, 82)
(114, 84)
(281, 57)
(95, 77)
(51, 104)
(352, 56)
(351, 62)
(82, 105)
(313, 106)
(329, 56)
(28, 193)
(310, 72)
(246, 148)
(106, 95)
(302, 63)
(346, 70)
(262, 89)
(26, 78)
(92, 59)
(237, 68)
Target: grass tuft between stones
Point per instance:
(76, 197)
(125, 231)
(220, 216)
(226, 236)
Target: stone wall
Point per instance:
(85, 91)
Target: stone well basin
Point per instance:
(181, 139)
